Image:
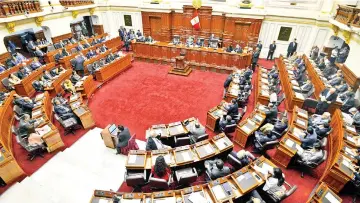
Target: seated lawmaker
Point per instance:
(69, 87)
(58, 70)
(271, 113)
(63, 110)
(232, 108)
(199, 43)
(79, 47)
(322, 130)
(161, 170)
(227, 84)
(311, 155)
(90, 54)
(19, 58)
(336, 80)
(123, 137)
(59, 98)
(224, 122)
(22, 73)
(196, 130)
(13, 79)
(38, 86)
(354, 117)
(263, 137)
(244, 157)
(35, 64)
(27, 128)
(103, 48)
(309, 139)
(38, 53)
(229, 49)
(342, 87)
(58, 56)
(238, 49)
(64, 52)
(25, 103)
(317, 119)
(348, 102)
(274, 185)
(216, 169)
(74, 78)
(326, 97)
(306, 87)
(2, 68)
(154, 143)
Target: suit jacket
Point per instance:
(79, 48)
(24, 104)
(79, 64)
(227, 81)
(271, 113)
(150, 144)
(255, 57)
(262, 138)
(31, 45)
(238, 50)
(58, 57)
(331, 98)
(224, 123)
(335, 81)
(292, 47)
(26, 127)
(307, 87)
(65, 53)
(342, 88)
(310, 156)
(328, 71)
(217, 173)
(123, 138)
(321, 132)
(280, 126)
(259, 46)
(309, 140)
(233, 109)
(272, 48)
(39, 53)
(356, 118)
(86, 45)
(61, 109)
(348, 103)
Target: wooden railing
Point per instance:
(17, 7)
(348, 15)
(71, 3)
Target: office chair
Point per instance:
(356, 193)
(265, 147)
(311, 91)
(33, 151)
(272, 197)
(158, 183)
(18, 112)
(57, 46)
(132, 145)
(310, 105)
(70, 125)
(186, 176)
(181, 141)
(234, 161)
(279, 135)
(229, 129)
(6, 84)
(135, 179)
(202, 137)
(90, 69)
(307, 167)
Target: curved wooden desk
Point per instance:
(57, 83)
(7, 72)
(9, 168)
(25, 88)
(212, 191)
(199, 58)
(262, 95)
(112, 69)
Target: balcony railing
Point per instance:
(71, 3)
(348, 15)
(10, 8)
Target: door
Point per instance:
(241, 34)
(155, 28)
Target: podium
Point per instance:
(180, 68)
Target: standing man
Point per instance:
(326, 97)
(255, 58)
(79, 64)
(259, 45)
(271, 51)
(292, 48)
(123, 137)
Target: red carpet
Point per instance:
(146, 95)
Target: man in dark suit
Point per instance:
(227, 84)
(259, 45)
(123, 137)
(255, 58)
(39, 53)
(306, 87)
(90, 54)
(322, 130)
(309, 139)
(25, 103)
(232, 108)
(31, 45)
(262, 138)
(271, 114)
(291, 48)
(103, 48)
(280, 126)
(348, 102)
(336, 80)
(272, 48)
(64, 52)
(238, 49)
(79, 47)
(327, 96)
(58, 56)
(63, 111)
(216, 169)
(228, 121)
(196, 130)
(153, 142)
(79, 64)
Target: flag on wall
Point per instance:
(195, 22)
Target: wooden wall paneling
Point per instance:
(224, 60)
(99, 29)
(61, 37)
(228, 33)
(187, 27)
(4, 56)
(176, 24)
(205, 15)
(166, 27)
(349, 76)
(146, 23)
(217, 25)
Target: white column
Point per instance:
(327, 6)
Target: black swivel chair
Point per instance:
(202, 137)
(73, 62)
(6, 84)
(70, 125)
(159, 184)
(289, 191)
(135, 179)
(18, 112)
(182, 141)
(186, 176)
(229, 129)
(309, 166)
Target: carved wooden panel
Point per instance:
(61, 37)
(217, 25)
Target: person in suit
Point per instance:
(271, 113)
(123, 137)
(11, 47)
(86, 44)
(60, 98)
(64, 111)
(161, 170)
(316, 119)
(31, 45)
(27, 125)
(301, 77)
(309, 139)
(329, 70)
(90, 54)
(280, 126)
(196, 130)
(322, 130)
(255, 58)
(321, 64)
(248, 73)
(244, 157)
(19, 58)
(216, 169)
(227, 84)
(38, 86)
(121, 33)
(238, 49)
(291, 48)
(263, 136)
(229, 49)
(62, 44)
(75, 77)
(153, 142)
(25, 103)
(336, 80)
(22, 73)
(327, 96)
(306, 87)
(311, 155)
(79, 47)
(2, 67)
(342, 87)
(39, 53)
(138, 33)
(314, 52)
(259, 45)
(79, 64)
(271, 52)
(58, 56)
(199, 43)
(103, 48)
(72, 40)
(224, 122)
(348, 102)
(355, 116)
(13, 79)
(232, 108)
(64, 53)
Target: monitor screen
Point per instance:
(112, 128)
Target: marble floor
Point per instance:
(73, 174)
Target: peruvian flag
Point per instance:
(195, 22)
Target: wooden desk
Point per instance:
(9, 168)
(85, 115)
(57, 83)
(292, 98)
(87, 87)
(7, 72)
(108, 138)
(262, 95)
(247, 128)
(25, 88)
(323, 194)
(199, 58)
(213, 117)
(112, 69)
(286, 151)
(318, 83)
(185, 155)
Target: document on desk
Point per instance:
(36, 113)
(351, 139)
(298, 132)
(186, 155)
(300, 122)
(74, 97)
(265, 93)
(196, 197)
(80, 111)
(105, 201)
(218, 192)
(351, 129)
(349, 151)
(296, 88)
(208, 149)
(289, 143)
(246, 129)
(331, 198)
(165, 200)
(299, 148)
(43, 130)
(266, 168)
(264, 81)
(300, 113)
(132, 159)
(300, 96)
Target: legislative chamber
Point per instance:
(179, 101)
